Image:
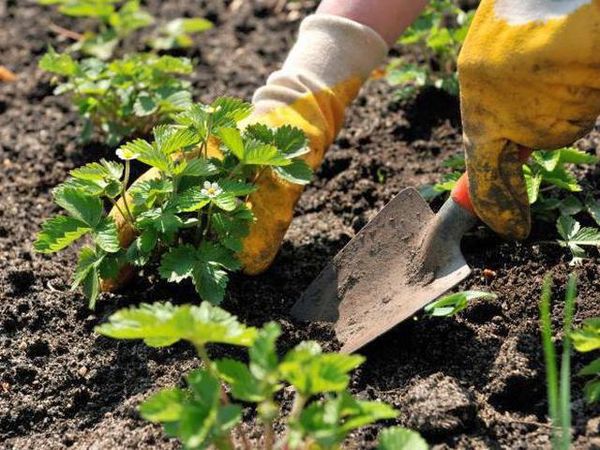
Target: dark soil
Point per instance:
(474, 381)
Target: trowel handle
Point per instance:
(461, 195)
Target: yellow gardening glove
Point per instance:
(321, 76)
(529, 75)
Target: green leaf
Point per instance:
(327, 423)
(398, 438)
(162, 324)
(60, 64)
(194, 25)
(226, 201)
(210, 282)
(145, 152)
(79, 205)
(298, 172)
(87, 274)
(448, 182)
(312, 372)
(192, 200)
(229, 111)
(58, 233)
(263, 353)
(592, 368)
(573, 155)
(106, 235)
(452, 304)
(533, 182)
(164, 220)
(98, 171)
(260, 154)
(197, 168)
(237, 188)
(172, 64)
(83, 9)
(587, 338)
(593, 208)
(144, 105)
(178, 263)
(570, 206)
(150, 192)
(574, 236)
(243, 384)
(232, 140)
(204, 265)
(592, 391)
(164, 406)
(290, 141)
(562, 178)
(169, 139)
(547, 159)
(139, 251)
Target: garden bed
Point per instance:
(473, 381)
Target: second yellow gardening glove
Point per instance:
(529, 75)
(331, 59)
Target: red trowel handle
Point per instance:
(461, 195)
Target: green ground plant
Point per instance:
(558, 381)
(202, 414)
(436, 37)
(451, 304)
(117, 19)
(587, 339)
(554, 193)
(123, 97)
(190, 219)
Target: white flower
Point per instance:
(211, 190)
(126, 153)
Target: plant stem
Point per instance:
(208, 217)
(210, 367)
(269, 435)
(549, 352)
(294, 416)
(124, 190)
(564, 400)
(116, 205)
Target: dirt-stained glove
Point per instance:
(322, 74)
(529, 75)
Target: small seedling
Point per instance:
(178, 33)
(192, 216)
(574, 237)
(559, 387)
(202, 414)
(117, 19)
(452, 304)
(125, 97)
(552, 188)
(587, 339)
(437, 36)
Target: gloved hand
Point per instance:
(321, 76)
(529, 74)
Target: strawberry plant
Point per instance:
(209, 409)
(117, 19)
(587, 339)
(553, 191)
(123, 97)
(190, 217)
(437, 36)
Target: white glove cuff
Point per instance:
(329, 50)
